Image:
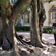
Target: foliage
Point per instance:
(22, 28)
(27, 28)
(50, 1)
(47, 31)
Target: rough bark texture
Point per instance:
(35, 37)
(20, 7)
(0, 28)
(9, 21)
(1, 39)
(42, 16)
(10, 14)
(7, 33)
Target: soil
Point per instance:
(28, 50)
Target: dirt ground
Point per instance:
(47, 50)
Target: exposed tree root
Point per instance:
(20, 37)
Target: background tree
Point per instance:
(35, 37)
(42, 16)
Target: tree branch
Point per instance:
(20, 7)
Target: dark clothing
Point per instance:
(54, 25)
(54, 28)
(55, 36)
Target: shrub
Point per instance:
(47, 31)
(22, 28)
(27, 28)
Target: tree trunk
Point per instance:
(1, 39)
(7, 33)
(9, 21)
(0, 27)
(42, 16)
(35, 37)
(41, 30)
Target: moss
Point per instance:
(3, 9)
(5, 3)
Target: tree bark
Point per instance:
(35, 37)
(20, 7)
(42, 16)
(7, 33)
(1, 39)
(8, 16)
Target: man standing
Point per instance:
(54, 30)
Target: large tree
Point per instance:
(10, 13)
